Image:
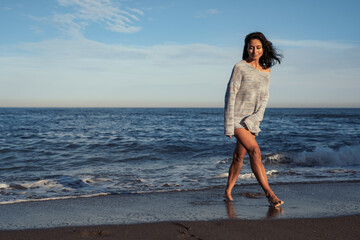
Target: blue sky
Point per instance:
(173, 53)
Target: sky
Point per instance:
(173, 53)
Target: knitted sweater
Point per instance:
(246, 98)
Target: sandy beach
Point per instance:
(311, 211)
(316, 228)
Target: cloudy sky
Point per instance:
(173, 53)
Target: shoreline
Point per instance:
(311, 211)
(101, 194)
(319, 200)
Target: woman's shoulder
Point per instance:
(240, 64)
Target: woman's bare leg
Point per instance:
(235, 168)
(247, 139)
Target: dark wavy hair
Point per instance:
(270, 55)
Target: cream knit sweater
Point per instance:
(246, 98)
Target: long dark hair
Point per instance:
(269, 57)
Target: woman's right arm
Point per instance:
(230, 98)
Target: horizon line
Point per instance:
(179, 107)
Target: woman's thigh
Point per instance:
(246, 139)
(240, 150)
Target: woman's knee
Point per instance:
(254, 153)
(238, 157)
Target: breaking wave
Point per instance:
(321, 156)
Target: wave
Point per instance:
(4, 186)
(246, 175)
(30, 185)
(321, 156)
(38, 184)
(63, 183)
(54, 198)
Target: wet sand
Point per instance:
(324, 228)
(311, 211)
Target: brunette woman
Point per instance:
(245, 102)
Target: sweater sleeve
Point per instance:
(230, 96)
(254, 119)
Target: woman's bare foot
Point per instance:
(227, 196)
(273, 200)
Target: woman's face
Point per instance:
(255, 50)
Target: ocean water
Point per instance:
(51, 153)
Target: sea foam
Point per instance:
(321, 156)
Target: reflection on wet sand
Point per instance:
(230, 210)
(273, 212)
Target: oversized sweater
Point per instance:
(246, 98)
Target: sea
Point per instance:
(57, 153)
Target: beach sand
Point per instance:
(311, 211)
(323, 228)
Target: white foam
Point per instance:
(4, 186)
(324, 156)
(95, 180)
(140, 180)
(246, 175)
(276, 158)
(53, 198)
(222, 175)
(42, 183)
(272, 172)
(251, 175)
(321, 156)
(225, 161)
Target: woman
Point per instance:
(245, 102)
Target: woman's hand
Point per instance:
(229, 136)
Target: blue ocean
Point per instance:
(54, 153)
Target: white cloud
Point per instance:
(168, 54)
(82, 13)
(207, 12)
(66, 23)
(313, 44)
(92, 73)
(82, 72)
(136, 11)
